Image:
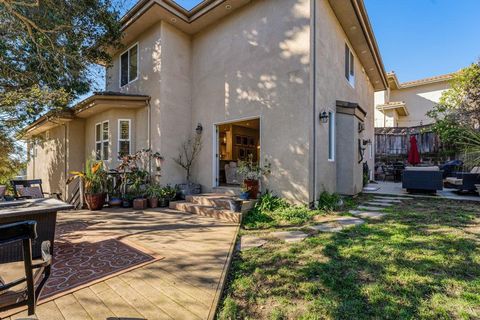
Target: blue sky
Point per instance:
(423, 38)
(417, 38)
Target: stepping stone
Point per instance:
(289, 236)
(382, 204)
(249, 242)
(386, 200)
(393, 198)
(367, 214)
(337, 224)
(370, 208)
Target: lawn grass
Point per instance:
(422, 261)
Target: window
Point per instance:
(123, 137)
(331, 136)
(349, 66)
(101, 141)
(129, 65)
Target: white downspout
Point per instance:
(314, 103)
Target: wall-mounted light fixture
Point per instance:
(199, 129)
(323, 117)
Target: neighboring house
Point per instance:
(291, 81)
(406, 104)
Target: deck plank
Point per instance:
(49, 311)
(119, 306)
(71, 309)
(93, 305)
(136, 300)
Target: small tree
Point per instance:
(459, 108)
(189, 150)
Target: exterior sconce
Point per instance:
(323, 117)
(365, 142)
(199, 129)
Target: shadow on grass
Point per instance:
(418, 263)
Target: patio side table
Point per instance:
(44, 211)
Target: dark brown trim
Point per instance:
(351, 108)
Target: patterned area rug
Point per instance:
(80, 264)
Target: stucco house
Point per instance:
(291, 81)
(406, 104)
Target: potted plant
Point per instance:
(94, 181)
(153, 194)
(114, 196)
(252, 172)
(167, 194)
(189, 151)
(138, 180)
(244, 192)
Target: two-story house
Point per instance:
(291, 81)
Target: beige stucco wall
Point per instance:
(164, 75)
(418, 100)
(255, 64)
(331, 86)
(47, 162)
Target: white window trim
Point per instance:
(129, 136)
(101, 141)
(351, 79)
(331, 120)
(128, 66)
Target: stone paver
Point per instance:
(249, 242)
(367, 214)
(289, 236)
(376, 199)
(381, 204)
(337, 224)
(370, 208)
(393, 198)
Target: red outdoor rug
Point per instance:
(76, 265)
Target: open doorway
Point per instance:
(236, 141)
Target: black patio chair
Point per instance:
(387, 172)
(24, 291)
(28, 184)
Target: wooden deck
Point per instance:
(186, 284)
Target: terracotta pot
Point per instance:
(252, 186)
(95, 201)
(153, 202)
(140, 204)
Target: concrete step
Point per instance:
(211, 199)
(207, 211)
(229, 191)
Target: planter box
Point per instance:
(139, 204)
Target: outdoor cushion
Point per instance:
(475, 170)
(33, 192)
(3, 189)
(455, 181)
(432, 168)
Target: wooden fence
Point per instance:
(394, 143)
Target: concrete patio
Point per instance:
(395, 188)
(185, 284)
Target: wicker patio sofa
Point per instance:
(422, 179)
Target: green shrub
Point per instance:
(229, 310)
(328, 201)
(271, 211)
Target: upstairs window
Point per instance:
(102, 141)
(129, 65)
(349, 66)
(124, 137)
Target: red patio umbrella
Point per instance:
(413, 155)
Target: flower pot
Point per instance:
(236, 205)
(153, 202)
(252, 186)
(95, 201)
(186, 189)
(478, 188)
(244, 195)
(163, 202)
(126, 203)
(140, 204)
(115, 202)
